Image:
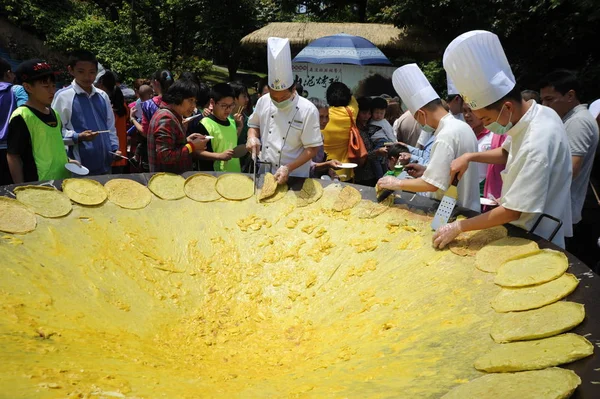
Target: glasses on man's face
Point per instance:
(226, 107)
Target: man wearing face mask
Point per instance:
(538, 161)
(452, 139)
(284, 125)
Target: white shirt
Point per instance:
(537, 178)
(582, 132)
(453, 138)
(284, 134)
(484, 144)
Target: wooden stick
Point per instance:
(595, 193)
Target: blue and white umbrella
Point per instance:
(342, 49)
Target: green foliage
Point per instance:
(199, 66)
(112, 42)
(434, 71)
(538, 35)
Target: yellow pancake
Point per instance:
(201, 187)
(235, 187)
(535, 355)
(16, 217)
(167, 186)
(128, 194)
(280, 192)
(269, 187)
(311, 192)
(369, 210)
(490, 257)
(348, 198)
(45, 201)
(538, 323)
(517, 299)
(555, 383)
(537, 268)
(84, 191)
(468, 244)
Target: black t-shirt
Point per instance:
(19, 141)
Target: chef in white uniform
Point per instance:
(284, 125)
(537, 177)
(453, 138)
(455, 100)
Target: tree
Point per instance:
(537, 35)
(224, 23)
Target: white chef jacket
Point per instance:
(537, 178)
(453, 138)
(284, 134)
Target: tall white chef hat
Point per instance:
(451, 87)
(476, 63)
(413, 87)
(279, 58)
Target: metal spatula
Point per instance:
(444, 211)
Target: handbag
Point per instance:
(357, 151)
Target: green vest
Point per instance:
(47, 145)
(225, 138)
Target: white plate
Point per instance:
(78, 170)
(348, 165)
(192, 117)
(489, 202)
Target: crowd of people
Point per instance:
(519, 150)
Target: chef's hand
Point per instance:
(459, 166)
(388, 183)
(282, 174)
(226, 155)
(87, 135)
(253, 146)
(415, 170)
(446, 234)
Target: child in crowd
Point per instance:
(108, 83)
(85, 112)
(241, 100)
(35, 142)
(378, 109)
(223, 128)
(397, 154)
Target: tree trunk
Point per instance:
(233, 63)
(362, 10)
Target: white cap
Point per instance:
(595, 108)
(413, 87)
(476, 63)
(451, 87)
(101, 72)
(279, 58)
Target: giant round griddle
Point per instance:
(587, 292)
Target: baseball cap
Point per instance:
(31, 70)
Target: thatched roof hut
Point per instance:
(386, 37)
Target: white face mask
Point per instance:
(426, 127)
(496, 127)
(285, 104)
